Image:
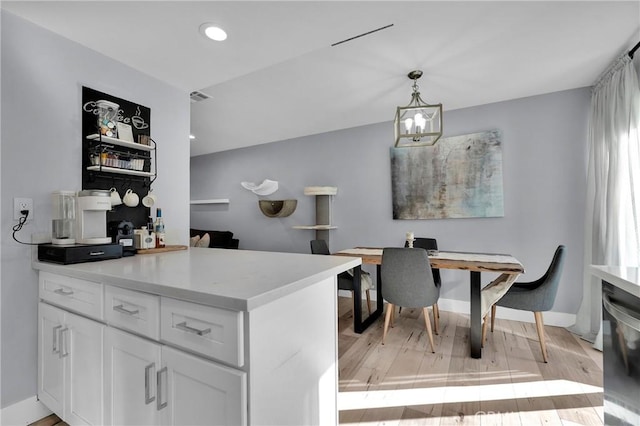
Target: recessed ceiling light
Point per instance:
(191, 137)
(213, 32)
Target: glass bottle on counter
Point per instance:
(159, 229)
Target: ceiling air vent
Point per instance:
(362, 35)
(198, 96)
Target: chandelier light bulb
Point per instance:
(420, 121)
(408, 123)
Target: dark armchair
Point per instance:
(536, 296)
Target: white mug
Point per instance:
(130, 198)
(150, 199)
(115, 197)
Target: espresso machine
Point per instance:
(89, 217)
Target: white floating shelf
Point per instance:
(213, 201)
(120, 142)
(119, 171)
(315, 227)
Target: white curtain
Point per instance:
(612, 225)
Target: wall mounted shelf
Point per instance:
(277, 208)
(120, 142)
(212, 201)
(119, 171)
(323, 224)
(129, 152)
(315, 227)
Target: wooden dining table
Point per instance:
(480, 299)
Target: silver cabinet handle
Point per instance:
(621, 314)
(56, 349)
(63, 292)
(63, 343)
(123, 310)
(159, 404)
(96, 253)
(148, 399)
(184, 327)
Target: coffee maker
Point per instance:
(122, 234)
(91, 218)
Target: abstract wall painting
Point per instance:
(458, 177)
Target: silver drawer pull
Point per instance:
(56, 349)
(63, 343)
(123, 310)
(63, 292)
(159, 404)
(184, 327)
(96, 253)
(148, 399)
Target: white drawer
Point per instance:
(84, 297)
(132, 310)
(213, 332)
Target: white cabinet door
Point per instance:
(200, 392)
(50, 361)
(81, 344)
(70, 366)
(131, 364)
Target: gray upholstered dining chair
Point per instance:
(345, 279)
(429, 244)
(407, 281)
(536, 296)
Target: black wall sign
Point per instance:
(106, 165)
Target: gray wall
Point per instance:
(42, 78)
(544, 151)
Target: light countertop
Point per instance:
(233, 279)
(625, 278)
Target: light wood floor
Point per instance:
(402, 382)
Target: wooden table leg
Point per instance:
(357, 299)
(475, 330)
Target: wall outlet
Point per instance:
(20, 204)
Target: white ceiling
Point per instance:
(277, 76)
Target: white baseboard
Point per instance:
(557, 319)
(23, 412)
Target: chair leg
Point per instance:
(393, 314)
(387, 318)
(368, 301)
(493, 316)
(484, 330)
(540, 328)
(436, 309)
(436, 319)
(427, 322)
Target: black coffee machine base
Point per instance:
(78, 253)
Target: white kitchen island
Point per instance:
(202, 336)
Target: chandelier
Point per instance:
(417, 124)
